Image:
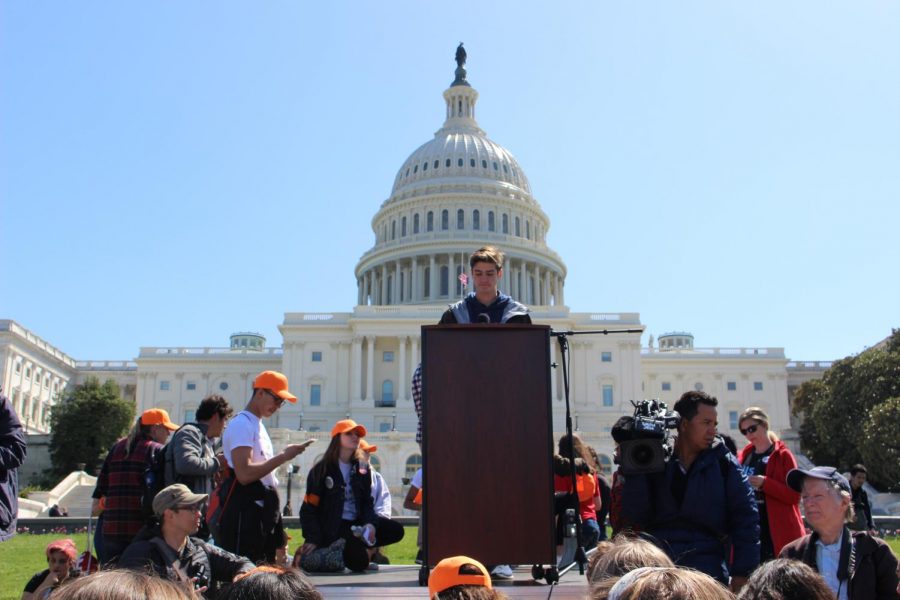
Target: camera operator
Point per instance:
(700, 506)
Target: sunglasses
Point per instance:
(278, 400)
(751, 429)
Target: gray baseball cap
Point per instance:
(174, 496)
(795, 477)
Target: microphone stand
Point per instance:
(570, 558)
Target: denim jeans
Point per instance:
(590, 533)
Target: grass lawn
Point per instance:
(23, 556)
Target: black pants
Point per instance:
(251, 530)
(356, 557)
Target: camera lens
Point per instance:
(642, 454)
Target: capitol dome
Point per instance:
(455, 193)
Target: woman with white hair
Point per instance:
(855, 565)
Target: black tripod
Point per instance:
(573, 553)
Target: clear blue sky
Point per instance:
(172, 172)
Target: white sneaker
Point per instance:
(502, 572)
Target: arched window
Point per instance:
(403, 227)
(491, 224)
(413, 464)
(390, 287)
(528, 229)
(447, 163)
(416, 223)
(476, 219)
(518, 227)
(429, 222)
(445, 220)
(393, 230)
(505, 223)
(427, 284)
(459, 162)
(460, 219)
(445, 276)
(387, 393)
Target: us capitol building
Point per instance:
(456, 192)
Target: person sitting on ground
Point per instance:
(270, 582)
(381, 495)
(170, 552)
(785, 579)
(623, 555)
(855, 565)
(653, 583)
(123, 584)
(461, 578)
(340, 527)
(61, 555)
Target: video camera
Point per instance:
(644, 440)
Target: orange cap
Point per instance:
(345, 425)
(157, 416)
(450, 572)
(367, 447)
(276, 383)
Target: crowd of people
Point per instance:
(193, 510)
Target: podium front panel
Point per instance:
(487, 443)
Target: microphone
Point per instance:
(483, 318)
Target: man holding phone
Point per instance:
(251, 522)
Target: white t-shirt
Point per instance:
(247, 431)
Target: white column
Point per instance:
(395, 293)
(415, 289)
(451, 275)
(538, 296)
(370, 368)
(356, 370)
(432, 277)
(546, 285)
(414, 355)
(401, 384)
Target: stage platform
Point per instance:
(402, 581)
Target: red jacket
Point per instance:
(782, 503)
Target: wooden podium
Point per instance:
(487, 444)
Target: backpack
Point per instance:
(154, 480)
(218, 502)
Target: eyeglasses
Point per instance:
(278, 400)
(751, 429)
(192, 507)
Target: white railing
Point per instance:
(106, 365)
(152, 351)
(723, 352)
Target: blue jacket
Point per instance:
(718, 514)
(12, 455)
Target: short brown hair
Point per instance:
(213, 405)
(487, 254)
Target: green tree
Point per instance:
(880, 446)
(841, 410)
(86, 423)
